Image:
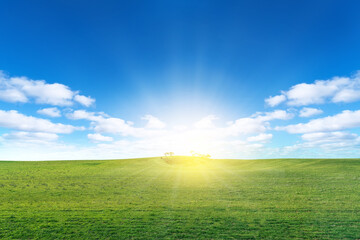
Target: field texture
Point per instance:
(180, 198)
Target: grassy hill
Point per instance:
(182, 198)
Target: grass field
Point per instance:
(182, 198)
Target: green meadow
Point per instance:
(181, 198)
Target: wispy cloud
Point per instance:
(31, 136)
(309, 112)
(153, 122)
(344, 120)
(51, 112)
(15, 120)
(206, 122)
(85, 101)
(99, 138)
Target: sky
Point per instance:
(233, 79)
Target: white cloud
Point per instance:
(336, 89)
(14, 120)
(344, 120)
(247, 126)
(325, 144)
(277, 114)
(30, 136)
(153, 122)
(99, 137)
(242, 138)
(256, 124)
(118, 126)
(201, 137)
(102, 123)
(275, 100)
(308, 112)
(206, 122)
(12, 95)
(51, 112)
(263, 137)
(315, 93)
(347, 95)
(22, 89)
(86, 101)
(329, 137)
(42, 92)
(83, 114)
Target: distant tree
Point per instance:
(168, 156)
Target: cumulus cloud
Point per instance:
(347, 95)
(30, 136)
(86, 101)
(22, 89)
(257, 123)
(277, 114)
(51, 112)
(308, 112)
(325, 144)
(244, 137)
(324, 137)
(99, 138)
(153, 122)
(344, 120)
(83, 114)
(203, 130)
(15, 120)
(336, 89)
(275, 100)
(42, 92)
(101, 123)
(263, 137)
(206, 122)
(12, 95)
(114, 126)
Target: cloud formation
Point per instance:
(51, 112)
(335, 90)
(203, 136)
(116, 137)
(31, 136)
(153, 122)
(206, 122)
(99, 138)
(85, 101)
(15, 120)
(262, 137)
(344, 120)
(22, 89)
(275, 100)
(308, 112)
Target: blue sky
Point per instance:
(236, 79)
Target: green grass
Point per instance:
(183, 198)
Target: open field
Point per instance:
(184, 198)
